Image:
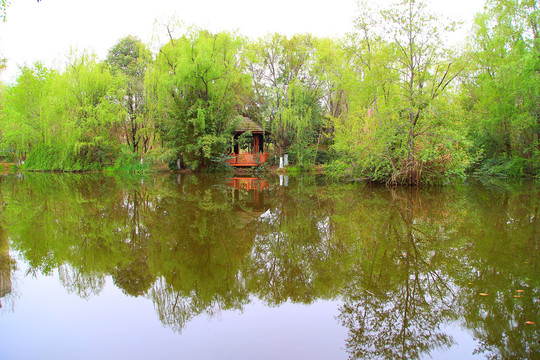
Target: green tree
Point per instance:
(24, 121)
(88, 113)
(198, 85)
(64, 121)
(406, 128)
(502, 91)
(336, 83)
(286, 94)
(129, 59)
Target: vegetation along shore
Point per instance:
(389, 102)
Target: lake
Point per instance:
(205, 267)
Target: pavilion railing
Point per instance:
(248, 159)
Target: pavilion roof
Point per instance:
(245, 124)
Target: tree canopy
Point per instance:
(389, 102)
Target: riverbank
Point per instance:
(345, 175)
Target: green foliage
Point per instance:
(502, 91)
(384, 100)
(338, 170)
(52, 158)
(25, 120)
(405, 125)
(62, 121)
(130, 57)
(245, 140)
(128, 161)
(197, 82)
(128, 60)
(507, 167)
(287, 95)
(322, 157)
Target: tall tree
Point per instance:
(128, 60)
(91, 112)
(333, 72)
(24, 124)
(426, 69)
(198, 84)
(409, 129)
(502, 88)
(63, 121)
(287, 96)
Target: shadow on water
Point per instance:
(404, 263)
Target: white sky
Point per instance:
(46, 31)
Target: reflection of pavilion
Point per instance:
(247, 183)
(249, 195)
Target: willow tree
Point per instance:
(198, 85)
(91, 112)
(24, 122)
(408, 113)
(335, 79)
(63, 121)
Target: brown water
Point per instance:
(180, 266)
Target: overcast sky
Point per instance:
(46, 31)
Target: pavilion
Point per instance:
(253, 154)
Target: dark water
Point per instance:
(179, 266)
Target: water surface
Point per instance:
(183, 266)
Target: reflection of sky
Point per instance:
(290, 331)
(464, 349)
(47, 322)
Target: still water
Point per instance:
(189, 267)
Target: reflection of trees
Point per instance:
(134, 218)
(502, 256)
(154, 238)
(405, 263)
(78, 282)
(425, 262)
(400, 293)
(80, 224)
(7, 266)
(295, 257)
(199, 255)
(134, 278)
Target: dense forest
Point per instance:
(389, 102)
